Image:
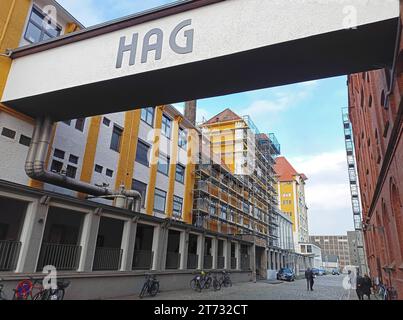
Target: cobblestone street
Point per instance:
(325, 288)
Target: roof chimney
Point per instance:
(190, 111)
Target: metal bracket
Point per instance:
(7, 53)
(45, 200)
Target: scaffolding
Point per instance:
(237, 204)
(354, 190)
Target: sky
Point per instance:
(305, 117)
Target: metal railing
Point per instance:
(142, 259)
(193, 260)
(220, 262)
(208, 262)
(9, 252)
(245, 262)
(233, 263)
(173, 260)
(107, 258)
(62, 256)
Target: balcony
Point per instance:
(9, 251)
(107, 259)
(64, 257)
(202, 205)
(193, 260)
(142, 260)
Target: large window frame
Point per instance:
(147, 115)
(177, 208)
(143, 157)
(45, 33)
(180, 174)
(160, 195)
(166, 126)
(141, 187)
(117, 131)
(163, 164)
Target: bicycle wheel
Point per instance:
(227, 283)
(155, 287)
(41, 295)
(193, 284)
(143, 290)
(216, 285)
(207, 284)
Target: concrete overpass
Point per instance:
(196, 49)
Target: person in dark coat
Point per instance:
(309, 279)
(359, 287)
(366, 287)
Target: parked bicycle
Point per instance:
(201, 281)
(216, 282)
(386, 293)
(151, 286)
(225, 279)
(32, 289)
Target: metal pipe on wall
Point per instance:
(36, 162)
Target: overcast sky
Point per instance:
(305, 117)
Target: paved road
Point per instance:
(325, 288)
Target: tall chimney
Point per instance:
(190, 111)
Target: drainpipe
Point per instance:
(35, 168)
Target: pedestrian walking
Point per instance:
(309, 279)
(366, 287)
(359, 287)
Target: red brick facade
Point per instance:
(375, 108)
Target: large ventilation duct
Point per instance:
(35, 168)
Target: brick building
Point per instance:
(375, 109)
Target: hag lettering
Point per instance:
(156, 44)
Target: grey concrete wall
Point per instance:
(104, 285)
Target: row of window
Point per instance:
(160, 198)
(99, 169)
(57, 166)
(8, 133)
(79, 124)
(147, 115)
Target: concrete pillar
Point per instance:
(238, 255)
(160, 247)
(263, 264)
(31, 236)
(183, 249)
(227, 254)
(200, 251)
(214, 251)
(88, 240)
(128, 242)
(253, 261)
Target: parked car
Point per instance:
(285, 274)
(335, 272)
(315, 271)
(322, 272)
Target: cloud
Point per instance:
(327, 192)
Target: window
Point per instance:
(213, 208)
(177, 207)
(142, 153)
(142, 188)
(59, 154)
(71, 171)
(56, 166)
(159, 200)
(116, 138)
(98, 168)
(109, 172)
(39, 28)
(147, 115)
(182, 138)
(223, 212)
(180, 173)
(8, 133)
(80, 124)
(106, 121)
(24, 140)
(166, 126)
(163, 164)
(73, 159)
